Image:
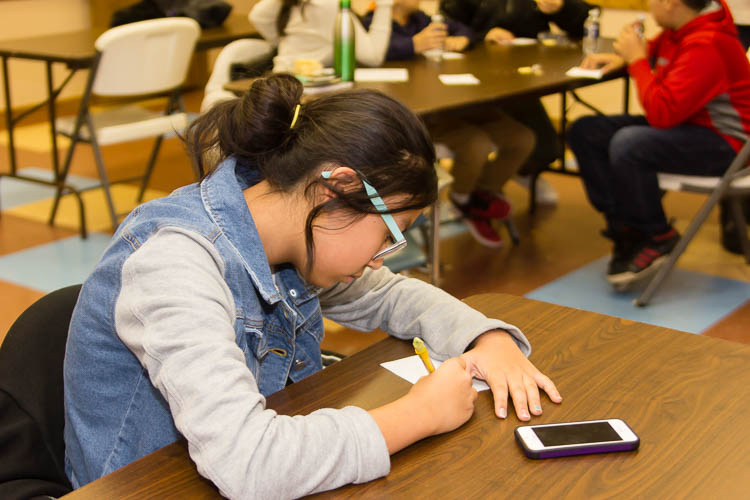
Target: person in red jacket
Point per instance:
(693, 83)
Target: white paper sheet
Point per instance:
(412, 369)
(523, 41)
(579, 72)
(381, 75)
(453, 55)
(459, 79)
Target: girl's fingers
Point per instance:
(548, 386)
(532, 395)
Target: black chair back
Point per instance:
(32, 449)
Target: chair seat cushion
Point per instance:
(676, 182)
(126, 123)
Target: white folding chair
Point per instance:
(137, 60)
(734, 184)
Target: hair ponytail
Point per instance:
(251, 127)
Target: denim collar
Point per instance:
(224, 201)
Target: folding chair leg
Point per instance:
(511, 227)
(690, 232)
(103, 177)
(435, 245)
(739, 221)
(149, 167)
(532, 192)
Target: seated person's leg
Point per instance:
(531, 113)
(515, 143)
(637, 154)
(471, 147)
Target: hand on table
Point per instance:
(446, 396)
(606, 62)
(497, 360)
(456, 43)
(498, 35)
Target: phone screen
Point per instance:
(592, 432)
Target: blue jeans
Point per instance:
(618, 158)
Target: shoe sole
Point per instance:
(482, 240)
(622, 281)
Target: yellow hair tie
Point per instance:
(296, 114)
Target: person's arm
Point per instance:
(670, 97)
(408, 308)
(493, 350)
(371, 45)
(400, 46)
(263, 17)
(456, 29)
(571, 17)
(176, 314)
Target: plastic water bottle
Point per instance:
(343, 43)
(591, 33)
(436, 53)
(640, 25)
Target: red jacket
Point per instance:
(698, 74)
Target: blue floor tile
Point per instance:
(14, 192)
(54, 265)
(686, 301)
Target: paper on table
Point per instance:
(453, 55)
(459, 79)
(579, 72)
(523, 41)
(381, 75)
(412, 369)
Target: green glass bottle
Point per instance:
(343, 43)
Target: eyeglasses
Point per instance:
(397, 237)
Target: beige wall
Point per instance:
(57, 16)
(27, 18)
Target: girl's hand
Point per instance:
(498, 35)
(605, 62)
(456, 43)
(432, 37)
(497, 360)
(445, 397)
(630, 45)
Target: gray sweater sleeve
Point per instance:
(407, 308)
(176, 314)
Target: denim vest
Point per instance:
(114, 415)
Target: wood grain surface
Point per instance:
(683, 394)
(496, 67)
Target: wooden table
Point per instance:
(496, 67)
(76, 50)
(684, 395)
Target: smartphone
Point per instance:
(576, 438)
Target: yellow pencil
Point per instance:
(421, 351)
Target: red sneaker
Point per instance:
(482, 231)
(489, 205)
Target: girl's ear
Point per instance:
(344, 178)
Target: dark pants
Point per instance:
(618, 158)
(531, 113)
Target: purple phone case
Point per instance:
(585, 449)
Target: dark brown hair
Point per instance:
(365, 130)
(285, 12)
(697, 5)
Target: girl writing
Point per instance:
(212, 298)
